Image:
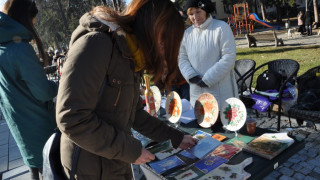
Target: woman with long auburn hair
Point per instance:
(99, 96)
(25, 93)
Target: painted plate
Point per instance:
(206, 110)
(233, 114)
(157, 97)
(173, 107)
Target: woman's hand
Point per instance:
(188, 142)
(145, 157)
(195, 80)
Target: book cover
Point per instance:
(166, 153)
(269, 145)
(226, 151)
(209, 163)
(219, 137)
(201, 135)
(204, 147)
(166, 164)
(240, 141)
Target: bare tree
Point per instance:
(263, 10)
(316, 14)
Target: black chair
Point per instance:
(289, 68)
(307, 82)
(243, 67)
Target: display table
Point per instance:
(259, 168)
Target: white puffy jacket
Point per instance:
(209, 51)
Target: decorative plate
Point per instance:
(157, 97)
(173, 107)
(233, 114)
(206, 110)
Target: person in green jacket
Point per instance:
(25, 93)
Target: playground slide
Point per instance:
(254, 17)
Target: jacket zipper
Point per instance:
(118, 97)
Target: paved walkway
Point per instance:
(304, 165)
(297, 40)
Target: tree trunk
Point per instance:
(263, 10)
(278, 10)
(315, 9)
(254, 6)
(64, 19)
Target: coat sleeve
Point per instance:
(225, 64)
(84, 73)
(156, 129)
(32, 73)
(185, 66)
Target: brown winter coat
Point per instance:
(101, 127)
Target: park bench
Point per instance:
(270, 37)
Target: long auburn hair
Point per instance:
(157, 25)
(23, 11)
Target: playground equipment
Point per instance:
(243, 21)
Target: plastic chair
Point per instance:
(300, 113)
(287, 66)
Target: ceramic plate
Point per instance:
(233, 114)
(173, 107)
(206, 110)
(157, 97)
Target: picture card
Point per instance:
(219, 137)
(209, 163)
(226, 151)
(204, 147)
(187, 154)
(166, 164)
(240, 141)
(185, 173)
(201, 135)
(166, 153)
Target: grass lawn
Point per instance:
(306, 56)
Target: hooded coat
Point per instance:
(101, 124)
(25, 93)
(209, 51)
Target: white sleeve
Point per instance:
(185, 66)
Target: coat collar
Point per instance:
(205, 24)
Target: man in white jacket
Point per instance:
(207, 54)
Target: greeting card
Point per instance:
(219, 137)
(204, 146)
(226, 151)
(166, 164)
(166, 153)
(187, 154)
(209, 163)
(201, 135)
(240, 141)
